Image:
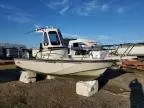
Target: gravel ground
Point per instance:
(117, 90)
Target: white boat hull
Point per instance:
(66, 67)
(131, 51)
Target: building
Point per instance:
(9, 51)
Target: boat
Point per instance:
(127, 49)
(80, 47)
(52, 58)
(84, 46)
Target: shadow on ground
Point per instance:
(137, 94)
(9, 75)
(108, 75)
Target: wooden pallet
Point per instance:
(133, 64)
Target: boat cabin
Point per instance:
(52, 46)
(52, 38)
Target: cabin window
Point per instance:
(45, 39)
(54, 38)
(75, 45)
(61, 38)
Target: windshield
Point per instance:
(45, 38)
(61, 38)
(54, 38)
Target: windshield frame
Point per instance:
(54, 40)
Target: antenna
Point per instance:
(29, 32)
(37, 29)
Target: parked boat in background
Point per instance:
(80, 47)
(127, 49)
(85, 47)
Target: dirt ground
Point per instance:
(117, 90)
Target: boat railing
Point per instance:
(83, 56)
(116, 52)
(131, 49)
(124, 53)
(49, 54)
(127, 50)
(62, 55)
